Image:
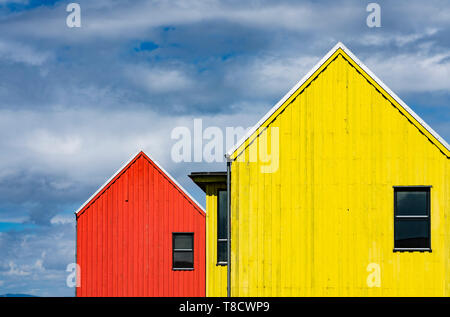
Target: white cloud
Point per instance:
(45, 143)
(269, 75)
(159, 80)
(15, 270)
(20, 53)
(413, 72)
(85, 147)
(128, 19)
(62, 219)
(399, 39)
(150, 14)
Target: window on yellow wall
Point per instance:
(412, 218)
(222, 226)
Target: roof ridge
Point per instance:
(172, 179)
(123, 167)
(313, 70)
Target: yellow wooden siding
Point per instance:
(312, 227)
(216, 275)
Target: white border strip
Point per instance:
(310, 73)
(128, 162)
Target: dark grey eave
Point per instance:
(208, 174)
(204, 178)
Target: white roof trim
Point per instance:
(120, 170)
(310, 73)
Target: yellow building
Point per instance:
(214, 184)
(340, 190)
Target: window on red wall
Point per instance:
(183, 250)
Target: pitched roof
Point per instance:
(124, 167)
(365, 71)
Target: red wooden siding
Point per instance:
(124, 236)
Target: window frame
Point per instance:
(182, 250)
(423, 188)
(220, 263)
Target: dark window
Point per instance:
(183, 251)
(222, 225)
(412, 218)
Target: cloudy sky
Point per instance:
(75, 103)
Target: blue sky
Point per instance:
(76, 103)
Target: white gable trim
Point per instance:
(310, 73)
(121, 169)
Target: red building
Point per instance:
(141, 234)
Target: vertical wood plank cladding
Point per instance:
(216, 275)
(124, 236)
(312, 227)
